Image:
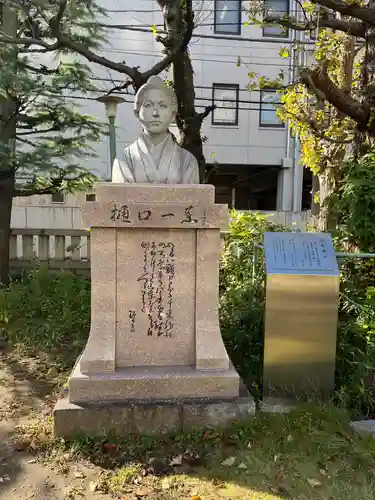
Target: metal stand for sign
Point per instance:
(302, 290)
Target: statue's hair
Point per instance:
(154, 83)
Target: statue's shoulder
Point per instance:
(188, 157)
(130, 147)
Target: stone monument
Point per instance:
(155, 360)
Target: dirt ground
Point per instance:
(23, 476)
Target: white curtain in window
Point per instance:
(276, 8)
(268, 114)
(226, 102)
(227, 16)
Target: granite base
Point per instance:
(150, 384)
(148, 418)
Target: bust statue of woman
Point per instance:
(155, 157)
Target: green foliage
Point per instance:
(47, 313)
(323, 132)
(355, 359)
(52, 133)
(242, 294)
(354, 202)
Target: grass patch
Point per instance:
(45, 318)
(310, 453)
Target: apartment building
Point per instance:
(255, 157)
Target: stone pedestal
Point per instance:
(155, 334)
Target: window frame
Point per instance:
(90, 197)
(286, 30)
(219, 31)
(281, 125)
(224, 86)
(58, 202)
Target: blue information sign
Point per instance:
(300, 253)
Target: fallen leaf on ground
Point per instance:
(313, 482)
(195, 497)
(33, 445)
(143, 492)
(176, 461)
(228, 462)
(79, 474)
(158, 467)
(167, 483)
(218, 482)
(109, 446)
(281, 490)
(94, 486)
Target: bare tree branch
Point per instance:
(207, 111)
(321, 85)
(364, 13)
(60, 13)
(28, 42)
(317, 129)
(351, 27)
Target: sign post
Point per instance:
(302, 290)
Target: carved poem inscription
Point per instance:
(157, 286)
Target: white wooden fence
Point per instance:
(56, 248)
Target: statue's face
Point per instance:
(156, 112)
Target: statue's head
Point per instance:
(155, 106)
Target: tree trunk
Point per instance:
(315, 205)
(328, 217)
(8, 110)
(188, 120)
(6, 198)
(179, 22)
(326, 221)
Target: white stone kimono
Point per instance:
(165, 163)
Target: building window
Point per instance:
(58, 198)
(269, 101)
(227, 18)
(278, 8)
(90, 197)
(225, 97)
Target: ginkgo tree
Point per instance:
(353, 18)
(330, 103)
(326, 135)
